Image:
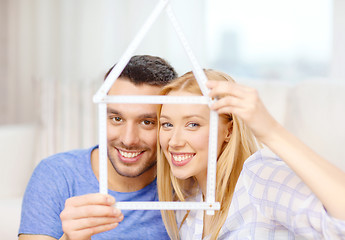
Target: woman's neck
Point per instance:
(201, 178)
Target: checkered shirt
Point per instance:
(270, 202)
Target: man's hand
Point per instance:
(88, 215)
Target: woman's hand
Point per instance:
(245, 103)
(322, 177)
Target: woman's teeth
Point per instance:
(179, 158)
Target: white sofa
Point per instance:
(313, 110)
(17, 148)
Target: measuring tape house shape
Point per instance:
(101, 98)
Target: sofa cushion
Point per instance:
(316, 114)
(17, 149)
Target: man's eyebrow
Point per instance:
(113, 111)
(142, 116)
(148, 115)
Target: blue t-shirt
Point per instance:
(69, 174)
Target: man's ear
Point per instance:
(229, 131)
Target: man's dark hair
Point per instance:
(146, 69)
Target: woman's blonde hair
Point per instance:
(242, 144)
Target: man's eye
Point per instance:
(148, 122)
(116, 119)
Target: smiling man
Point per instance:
(61, 199)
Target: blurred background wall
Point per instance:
(54, 54)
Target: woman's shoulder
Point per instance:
(264, 163)
(265, 175)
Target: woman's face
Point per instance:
(184, 136)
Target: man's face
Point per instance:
(132, 130)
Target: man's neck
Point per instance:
(119, 183)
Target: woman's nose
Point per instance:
(176, 140)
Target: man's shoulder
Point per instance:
(62, 170)
(65, 161)
(68, 156)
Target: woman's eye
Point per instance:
(193, 125)
(166, 125)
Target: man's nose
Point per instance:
(130, 135)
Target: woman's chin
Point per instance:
(182, 176)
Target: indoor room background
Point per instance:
(54, 54)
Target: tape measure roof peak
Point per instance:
(102, 98)
(199, 74)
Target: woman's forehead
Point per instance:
(185, 111)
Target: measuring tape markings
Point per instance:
(156, 99)
(213, 132)
(197, 70)
(167, 205)
(103, 156)
(210, 205)
(212, 159)
(116, 71)
(102, 98)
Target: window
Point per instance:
(268, 39)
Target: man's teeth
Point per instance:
(179, 158)
(129, 154)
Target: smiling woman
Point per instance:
(183, 136)
(261, 195)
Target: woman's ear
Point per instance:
(228, 131)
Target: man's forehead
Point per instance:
(123, 86)
(133, 110)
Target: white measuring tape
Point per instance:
(167, 205)
(154, 99)
(102, 99)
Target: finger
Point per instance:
(226, 102)
(88, 232)
(89, 211)
(90, 199)
(103, 228)
(94, 222)
(228, 110)
(224, 88)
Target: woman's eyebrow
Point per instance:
(195, 115)
(186, 117)
(164, 116)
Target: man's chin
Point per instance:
(130, 172)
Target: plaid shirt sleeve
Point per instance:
(281, 196)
